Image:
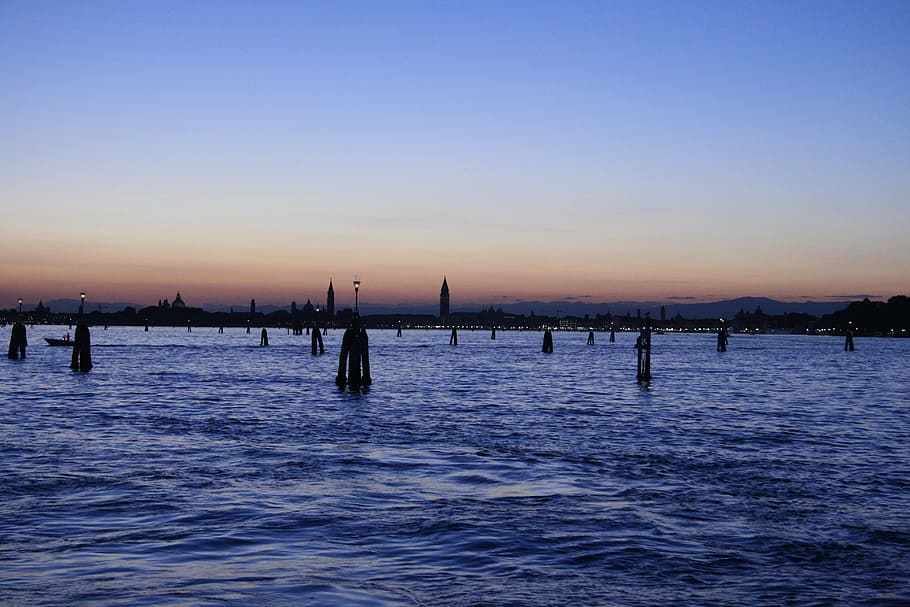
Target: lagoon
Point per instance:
(201, 469)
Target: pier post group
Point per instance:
(354, 360)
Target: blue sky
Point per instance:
(614, 149)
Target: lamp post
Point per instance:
(356, 291)
(20, 305)
(82, 303)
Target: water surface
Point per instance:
(200, 469)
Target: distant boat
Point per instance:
(58, 342)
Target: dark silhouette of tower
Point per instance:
(444, 301)
(330, 301)
(252, 307)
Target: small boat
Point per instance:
(58, 342)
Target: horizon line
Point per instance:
(669, 301)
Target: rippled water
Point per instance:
(200, 469)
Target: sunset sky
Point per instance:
(532, 150)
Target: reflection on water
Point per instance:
(198, 468)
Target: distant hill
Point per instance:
(727, 308)
(730, 307)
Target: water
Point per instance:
(200, 469)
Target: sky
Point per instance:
(525, 150)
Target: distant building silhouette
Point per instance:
(330, 301)
(444, 301)
(178, 302)
(252, 307)
(293, 308)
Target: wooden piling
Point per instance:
(722, 337)
(547, 342)
(354, 359)
(643, 344)
(82, 349)
(18, 340)
(316, 345)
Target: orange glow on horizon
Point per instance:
(209, 270)
(205, 286)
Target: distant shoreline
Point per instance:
(835, 324)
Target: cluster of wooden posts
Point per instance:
(354, 358)
(82, 346)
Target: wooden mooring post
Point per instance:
(643, 345)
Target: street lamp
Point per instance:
(356, 291)
(20, 305)
(82, 303)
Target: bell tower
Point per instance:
(444, 301)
